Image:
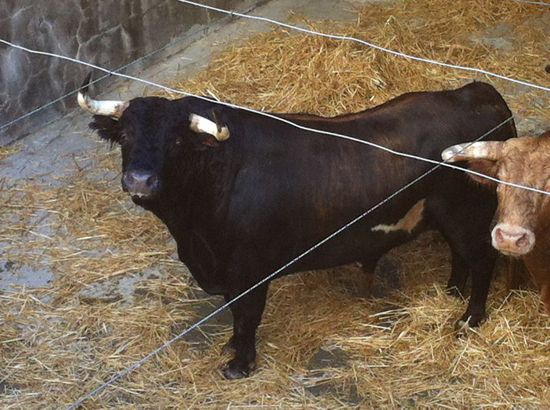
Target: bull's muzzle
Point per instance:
(513, 240)
(143, 184)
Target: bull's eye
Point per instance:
(179, 141)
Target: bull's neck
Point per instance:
(196, 190)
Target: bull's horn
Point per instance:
(201, 124)
(490, 150)
(110, 108)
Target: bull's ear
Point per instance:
(107, 128)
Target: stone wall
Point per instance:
(109, 33)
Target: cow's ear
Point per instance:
(107, 128)
(483, 166)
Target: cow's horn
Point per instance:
(201, 124)
(490, 150)
(110, 108)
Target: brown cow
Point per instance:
(522, 227)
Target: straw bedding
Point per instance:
(323, 343)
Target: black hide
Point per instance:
(241, 208)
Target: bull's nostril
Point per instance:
(152, 181)
(523, 241)
(139, 182)
(127, 179)
(513, 239)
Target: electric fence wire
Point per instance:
(366, 43)
(278, 118)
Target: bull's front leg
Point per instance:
(247, 314)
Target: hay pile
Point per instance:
(287, 72)
(322, 344)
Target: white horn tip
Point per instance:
(223, 134)
(204, 125)
(82, 100)
(449, 153)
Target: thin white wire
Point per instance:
(276, 117)
(348, 38)
(538, 3)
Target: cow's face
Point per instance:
(523, 217)
(155, 134)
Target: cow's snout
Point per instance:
(512, 239)
(140, 183)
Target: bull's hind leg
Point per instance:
(464, 218)
(482, 264)
(367, 267)
(247, 314)
(478, 259)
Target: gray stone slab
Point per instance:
(111, 33)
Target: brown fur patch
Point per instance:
(407, 223)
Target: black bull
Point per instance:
(241, 207)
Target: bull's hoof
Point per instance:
(236, 369)
(461, 327)
(466, 322)
(368, 284)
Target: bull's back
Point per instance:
(302, 165)
(307, 185)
